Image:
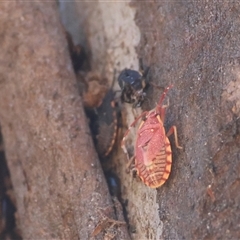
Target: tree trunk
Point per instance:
(57, 179)
(195, 47)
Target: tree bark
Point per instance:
(194, 46)
(57, 179)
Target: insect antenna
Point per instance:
(164, 95)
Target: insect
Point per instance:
(107, 120)
(104, 124)
(92, 87)
(153, 155)
(132, 84)
(113, 182)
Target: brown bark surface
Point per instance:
(56, 177)
(195, 46)
(58, 182)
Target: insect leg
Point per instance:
(129, 164)
(173, 130)
(164, 94)
(134, 112)
(127, 132)
(131, 167)
(163, 111)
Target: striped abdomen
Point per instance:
(154, 172)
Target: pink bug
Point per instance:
(153, 154)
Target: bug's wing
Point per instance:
(157, 144)
(149, 143)
(153, 161)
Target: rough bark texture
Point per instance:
(195, 46)
(58, 182)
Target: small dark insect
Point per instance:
(114, 186)
(132, 84)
